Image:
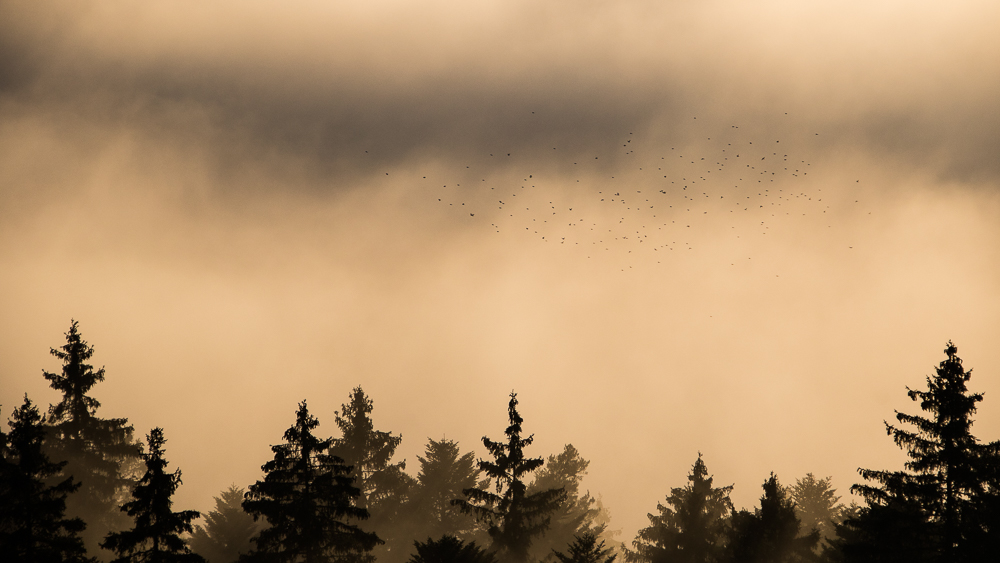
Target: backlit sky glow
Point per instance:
(239, 201)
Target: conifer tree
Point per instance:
(893, 532)
(943, 485)
(383, 485)
(690, 528)
(513, 517)
(578, 513)
(369, 452)
(101, 454)
(771, 533)
(585, 549)
(155, 536)
(308, 500)
(33, 525)
(816, 505)
(227, 530)
(444, 473)
(449, 549)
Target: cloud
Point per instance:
(311, 89)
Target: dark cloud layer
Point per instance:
(323, 85)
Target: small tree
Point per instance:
(450, 549)
(101, 454)
(33, 525)
(690, 528)
(156, 535)
(513, 517)
(585, 549)
(771, 533)
(308, 500)
(227, 530)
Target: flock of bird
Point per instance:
(641, 198)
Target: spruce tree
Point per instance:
(585, 549)
(449, 549)
(369, 452)
(513, 517)
(227, 530)
(893, 532)
(155, 536)
(101, 454)
(33, 525)
(309, 502)
(578, 513)
(444, 473)
(383, 485)
(944, 484)
(771, 533)
(690, 528)
(816, 505)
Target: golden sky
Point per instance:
(733, 227)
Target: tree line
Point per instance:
(80, 488)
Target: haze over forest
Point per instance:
(734, 228)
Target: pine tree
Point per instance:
(585, 549)
(33, 525)
(690, 528)
(578, 513)
(894, 532)
(944, 484)
(771, 533)
(156, 534)
(227, 530)
(513, 517)
(444, 473)
(101, 453)
(383, 484)
(450, 549)
(816, 505)
(369, 452)
(308, 500)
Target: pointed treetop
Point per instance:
(700, 471)
(951, 351)
(77, 377)
(513, 517)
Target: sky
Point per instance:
(727, 227)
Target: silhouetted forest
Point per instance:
(78, 487)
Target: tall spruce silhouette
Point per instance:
(100, 453)
(382, 484)
(33, 524)
(156, 535)
(944, 483)
(308, 500)
(690, 528)
(513, 517)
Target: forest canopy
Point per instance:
(78, 487)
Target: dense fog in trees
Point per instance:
(77, 487)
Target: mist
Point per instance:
(249, 204)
